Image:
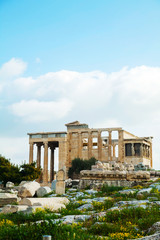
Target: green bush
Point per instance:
(133, 215)
(16, 174)
(103, 206)
(104, 229)
(110, 189)
(79, 165)
(20, 217)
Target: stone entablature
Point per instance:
(48, 135)
(84, 142)
(115, 175)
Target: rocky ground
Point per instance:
(109, 213)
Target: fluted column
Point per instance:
(114, 148)
(147, 151)
(120, 146)
(110, 146)
(79, 145)
(52, 164)
(45, 167)
(151, 155)
(31, 153)
(99, 146)
(89, 145)
(38, 155)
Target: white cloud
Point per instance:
(140, 85)
(39, 111)
(129, 98)
(12, 68)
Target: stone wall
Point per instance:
(116, 178)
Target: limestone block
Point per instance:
(60, 175)
(144, 191)
(42, 191)
(23, 182)
(28, 189)
(138, 175)
(137, 203)
(60, 184)
(85, 206)
(70, 219)
(7, 198)
(13, 208)
(68, 182)
(45, 202)
(155, 185)
(60, 187)
(155, 227)
(9, 185)
(127, 191)
(91, 191)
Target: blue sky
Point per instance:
(96, 61)
(80, 35)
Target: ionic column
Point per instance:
(132, 148)
(120, 146)
(69, 162)
(38, 155)
(31, 153)
(151, 155)
(45, 168)
(147, 151)
(109, 146)
(114, 148)
(52, 165)
(79, 145)
(99, 146)
(89, 145)
(144, 153)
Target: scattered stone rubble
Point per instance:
(24, 196)
(117, 174)
(87, 197)
(28, 189)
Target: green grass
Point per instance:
(127, 223)
(36, 231)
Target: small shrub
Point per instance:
(110, 189)
(80, 164)
(123, 236)
(103, 206)
(104, 229)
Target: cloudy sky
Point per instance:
(93, 61)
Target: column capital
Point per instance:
(45, 143)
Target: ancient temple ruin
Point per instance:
(105, 144)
